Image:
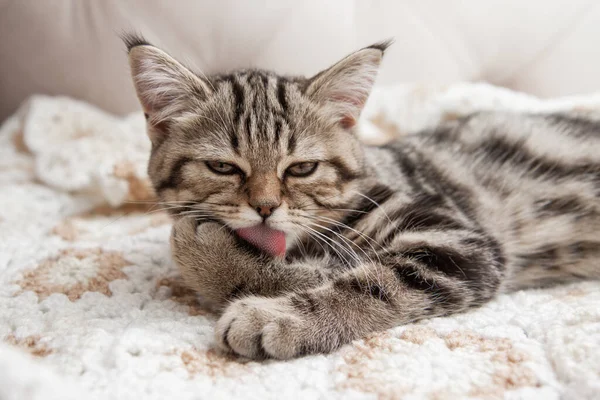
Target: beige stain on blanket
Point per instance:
(183, 295)
(139, 188)
(510, 372)
(74, 272)
(18, 141)
(573, 294)
(212, 363)
(66, 230)
(30, 344)
(451, 116)
(154, 220)
(389, 129)
(418, 334)
(359, 374)
(358, 370)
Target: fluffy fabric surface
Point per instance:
(91, 305)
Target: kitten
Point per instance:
(308, 239)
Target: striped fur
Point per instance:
(432, 224)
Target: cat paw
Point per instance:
(259, 328)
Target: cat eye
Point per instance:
(222, 168)
(302, 169)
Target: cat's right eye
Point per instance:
(302, 169)
(222, 168)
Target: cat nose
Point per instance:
(265, 210)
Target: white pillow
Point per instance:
(71, 47)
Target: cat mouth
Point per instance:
(269, 240)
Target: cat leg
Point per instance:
(421, 280)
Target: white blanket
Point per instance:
(92, 307)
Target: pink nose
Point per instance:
(265, 210)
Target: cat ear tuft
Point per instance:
(345, 87)
(133, 39)
(164, 86)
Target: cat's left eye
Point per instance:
(222, 168)
(302, 169)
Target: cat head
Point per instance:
(253, 147)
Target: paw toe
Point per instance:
(281, 338)
(263, 330)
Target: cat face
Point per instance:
(253, 147)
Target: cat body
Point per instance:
(306, 239)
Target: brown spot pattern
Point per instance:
(509, 375)
(212, 363)
(66, 230)
(29, 343)
(156, 219)
(451, 116)
(182, 295)
(18, 141)
(575, 293)
(418, 334)
(107, 266)
(139, 188)
(358, 371)
(389, 129)
(509, 371)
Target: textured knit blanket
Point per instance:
(91, 305)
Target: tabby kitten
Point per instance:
(307, 239)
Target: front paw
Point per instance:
(191, 234)
(206, 255)
(260, 327)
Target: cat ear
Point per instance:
(164, 86)
(345, 86)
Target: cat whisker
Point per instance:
(370, 245)
(156, 202)
(309, 234)
(344, 226)
(359, 264)
(342, 246)
(376, 204)
(336, 209)
(344, 239)
(338, 254)
(328, 242)
(147, 212)
(194, 213)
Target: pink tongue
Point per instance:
(268, 240)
